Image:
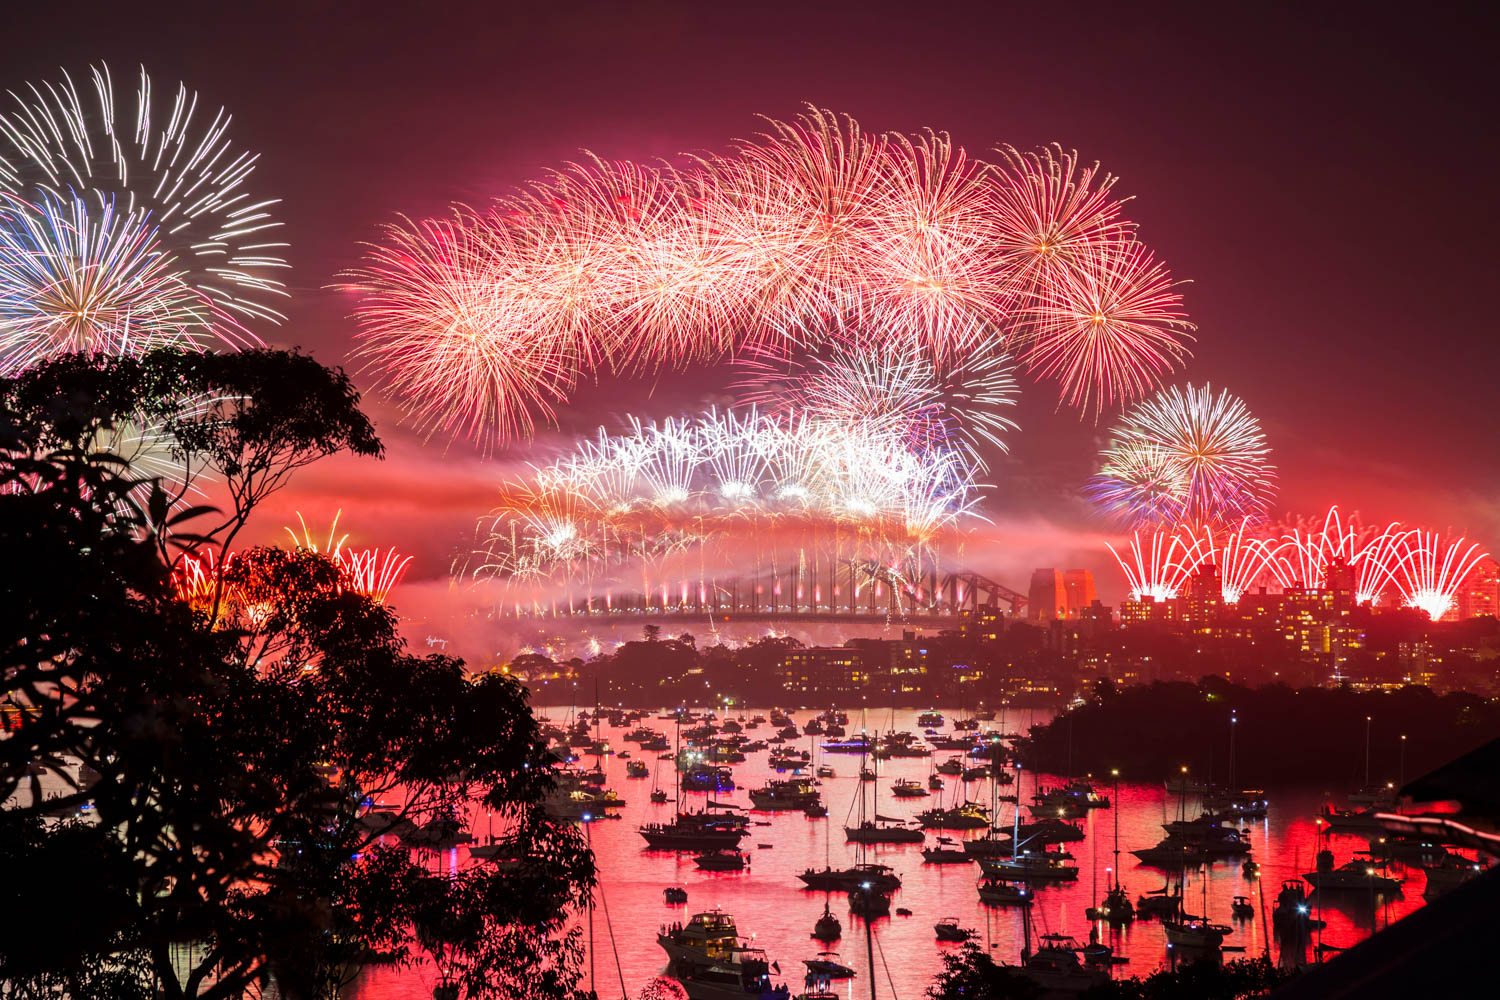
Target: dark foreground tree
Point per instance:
(971, 974)
(190, 787)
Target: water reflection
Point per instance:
(770, 904)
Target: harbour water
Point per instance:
(770, 904)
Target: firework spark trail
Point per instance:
(137, 226)
(1242, 561)
(1160, 568)
(1303, 556)
(1429, 572)
(371, 573)
(1212, 457)
(1425, 569)
(814, 233)
(1376, 563)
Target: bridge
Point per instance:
(863, 594)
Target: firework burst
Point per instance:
(128, 224)
(962, 406)
(813, 236)
(1210, 461)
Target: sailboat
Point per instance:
(882, 829)
(1116, 907)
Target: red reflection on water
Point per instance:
(770, 905)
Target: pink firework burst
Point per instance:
(1108, 330)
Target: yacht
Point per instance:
(1194, 933)
(883, 831)
(1039, 867)
(706, 938)
(795, 793)
(1005, 892)
(969, 816)
(880, 877)
(905, 788)
(1057, 968)
(722, 861)
(696, 832)
(949, 929)
(1352, 876)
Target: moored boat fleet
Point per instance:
(1015, 831)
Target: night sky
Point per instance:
(1324, 177)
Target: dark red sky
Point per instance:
(1323, 173)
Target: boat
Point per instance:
(828, 927)
(883, 831)
(1241, 909)
(934, 783)
(968, 816)
(953, 767)
(854, 744)
(1352, 876)
(869, 904)
(1056, 967)
(1184, 785)
(879, 877)
(437, 834)
(637, 769)
(905, 788)
(948, 929)
(1449, 875)
(825, 771)
(707, 778)
(815, 810)
(380, 823)
(1352, 820)
(1162, 903)
(865, 774)
(930, 720)
(659, 797)
(747, 976)
(944, 855)
(1005, 892)
(706, 938)
(992, 845)
(699, 831)
(1250, 868)
(1192, 933)
(1292, 915)
(826, 966)
(794, 793)
(722, 861)
(1039, 867)
(674, 894)
(1171, 854)
(1049, 831)
(1116, 909)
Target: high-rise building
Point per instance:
(1480, 593)
(1048, 597)
(1059, 594)
(823, 671)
